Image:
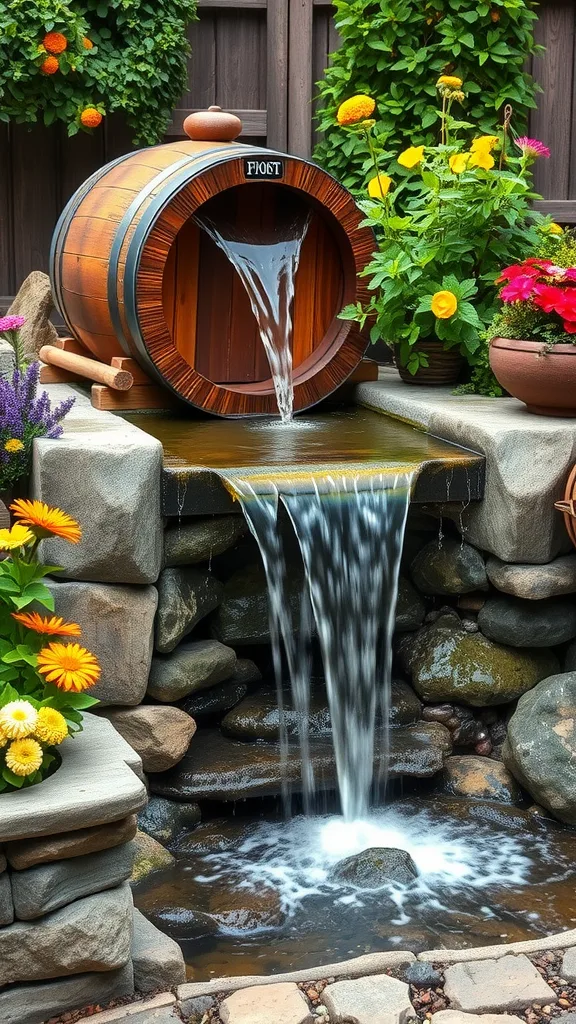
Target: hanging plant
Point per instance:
(62, 60)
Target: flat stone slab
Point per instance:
(561, 940)
(36, 1003)
(528, 458)
(534, 582)
(372, 1000)
(95, 784)
(281, 1003)
(568, 969)
(157, 959)
(26, 853)
(458, 1017)
(160, 1009)
(488, 986)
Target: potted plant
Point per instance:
(446, 218)
(42, 676)
(533, 339)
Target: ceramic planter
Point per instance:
(444, 365)
(544, 379)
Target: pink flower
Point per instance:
(529, 268)
(11, 323)
(518, 290)
(532, 147)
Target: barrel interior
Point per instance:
(206, 305)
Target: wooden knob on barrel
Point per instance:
(212, 125)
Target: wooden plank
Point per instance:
(300, 78)
(320, 50)
(552, 121)
(7, 282)
(277, 74)
(241, 82)
(232, 4)
(78, 158)
(572, 163)
(36, 204)
(561, 210)
(72, 345)
(138, 375)
(254, 122)
(141, 396)
(186, 291)
(55, 375)
(201, 68)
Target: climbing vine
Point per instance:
(77, 60)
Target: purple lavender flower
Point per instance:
(25, 415)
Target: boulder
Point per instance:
(150, 856)
(191, 667)
(479, 778)
(185, 596)
(35, 303)
(6, 902)
(242, 617)
(405, 707)
(157, 959)
(200, 539)
(160, 735)
(166, 820)
(375, 867)
(215, 702)
(510, 620)
(540, 748)
(534, 582)
(449, 664)
(451, 567)
(93, 933)
(118, 626)
(43, 1000)
(7, 360)
(410, 608)
(258, 716)
(27, 852)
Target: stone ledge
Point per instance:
(561, 940)
(96, 783)
(528, 458)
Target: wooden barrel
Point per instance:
(133, 274)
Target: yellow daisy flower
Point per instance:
(17, 537)
(452, 81)
(18, 719)
(458, 162)
(51, 726)
(69, 666)
(24, 757)
(13, 445)
(444, 305)
(411, 157)
(379, 186)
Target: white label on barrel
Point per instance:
(263, 168)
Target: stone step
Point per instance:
(491, 986)
(161, 1009)
(36, 1003)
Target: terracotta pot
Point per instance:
(212, 125)
(545, 380)
(444, 366)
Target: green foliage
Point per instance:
(393, 50)
(137, 63)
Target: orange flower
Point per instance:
(54, 626)
(55, 42)
(49, 66)
(356, 109)
(90, 117)
(69, 666)
(45, 520)
(87, 43)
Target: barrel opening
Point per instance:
(206, 307)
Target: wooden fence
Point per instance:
(260, 58)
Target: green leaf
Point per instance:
(13, 780)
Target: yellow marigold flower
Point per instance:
(53, 625)
(379, 186)
(55, 42)
(13, 445)
(17, 537)
(24, 757)
(356, 109)
(18, 719)
(555, 229)
(3, 738)
(46, 520)
(69, 666)
(484, 143)
(411, 157)
(50, 66)
(452, 81)
(444, 305)
(51, 727)
(458, 162)
(481, 158)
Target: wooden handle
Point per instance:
(120, 380)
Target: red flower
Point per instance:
(519, 289)
(549, 297)
(570, 326)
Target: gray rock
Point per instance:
(191, 667)
(215, 701)
(410, 608)
(185, 596)
(6, 904)
(570, 658)
(117, 625)
(510, 620)
(150, 856)
(478, 778)
(242, 617)
(282, 1003)
(159, 1009)
(449, 664)
(246, 671)
(39, 1002)
(94, 932)
(160, 735)
(35, 303)
(568, 969)
(258, 716)
(378, 999)
(422, 975)
(196, 1008)
(106, 473)
(166, 820)
(201, 539)
(28, 852)
(158, 961)
(3, 862)
(492, 986)
(405, 707)
(7, 360)
(375, 867)
(534, 582)
(459, 1017)
(540, 748)
(451, 567)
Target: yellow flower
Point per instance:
(13, 445)
(481, 158)
(24, 757)
(379, 186)
(3, 738)
(53, 625)
(18, 719)
(450, 80)
(69, 666)
(17, 537)
(47, 520)
(356, 109)
(458, 162)
(485, 143)
(411, 156)
(444, 305)
(51, 726)
(555, 229)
